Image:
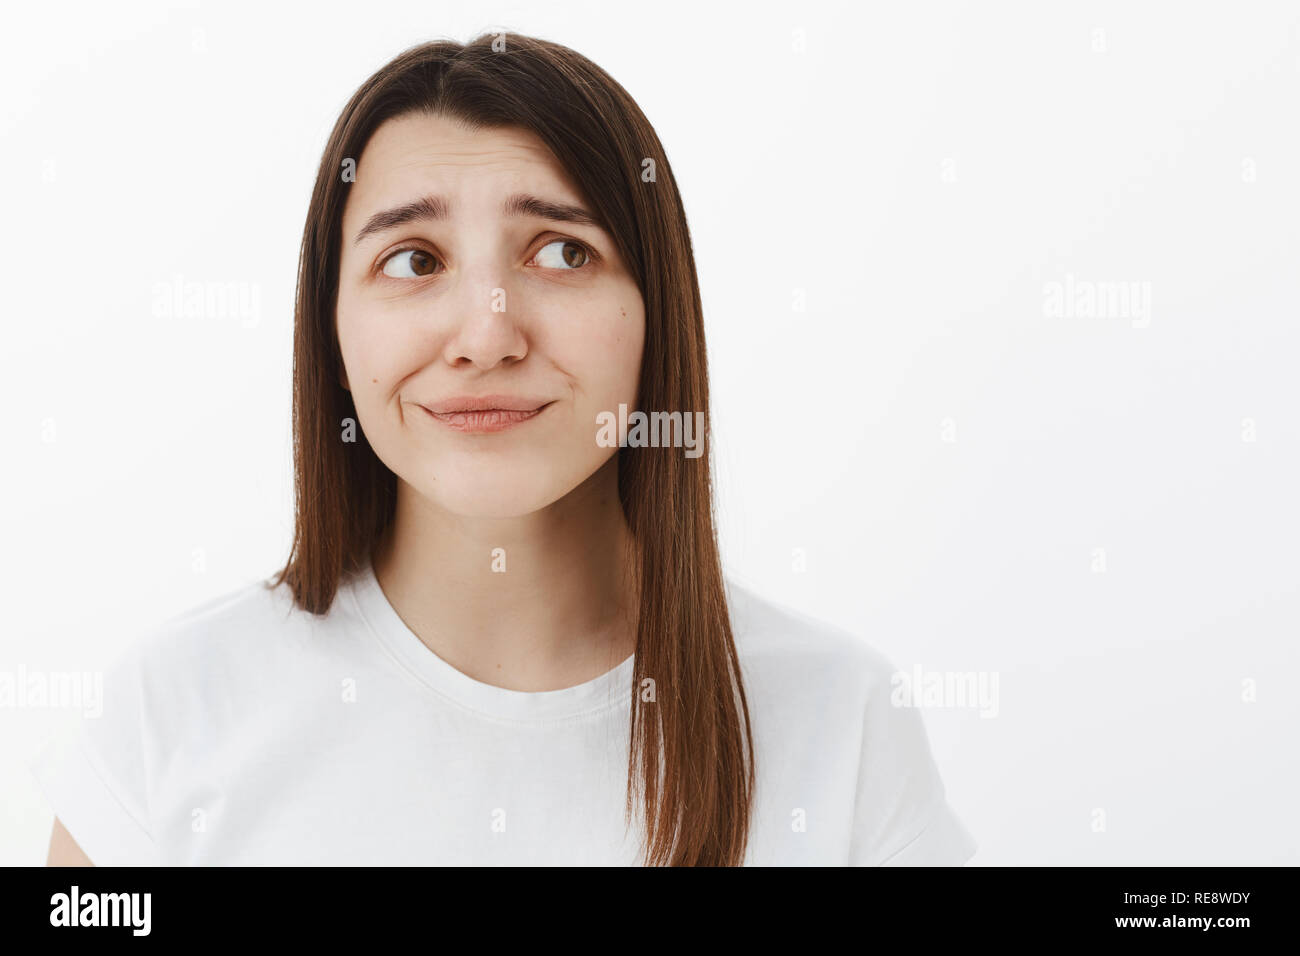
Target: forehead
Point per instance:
(420, 154)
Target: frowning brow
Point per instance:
(433, 208)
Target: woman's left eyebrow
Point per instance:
(433, 208)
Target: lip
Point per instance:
(482, 414)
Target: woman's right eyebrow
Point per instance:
(432, 208)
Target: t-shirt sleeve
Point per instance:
(901, 813)
(93, 774)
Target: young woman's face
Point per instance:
(464, 281)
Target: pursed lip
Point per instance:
(484, 413)
(484, 403)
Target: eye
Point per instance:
(567, 255)
(409, 264)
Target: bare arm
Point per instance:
(64, 850)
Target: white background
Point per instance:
(917, 173)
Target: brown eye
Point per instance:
(409, 264)
(568, 255)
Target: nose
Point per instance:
(487, 331)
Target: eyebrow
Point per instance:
(433, 208)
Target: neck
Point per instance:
(532, 603)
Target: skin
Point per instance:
(544, 491)
(572, 333)
(64, 850)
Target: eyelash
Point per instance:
(592, 257)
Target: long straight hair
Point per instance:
(691, 759)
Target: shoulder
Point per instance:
(817, 681)
(224, 624)
(777, 640)
(219, 669)
(224, 648)
(169, 693)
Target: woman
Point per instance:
(499, 638)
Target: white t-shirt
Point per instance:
(248, 732)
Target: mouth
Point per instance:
(486, 414)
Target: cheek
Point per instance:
(628, 343)
(600, 347)
(371, 349)
(352, 343)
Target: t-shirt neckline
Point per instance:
(388, 628)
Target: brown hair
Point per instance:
(693, 765)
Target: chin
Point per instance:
(492, 492)
(502, 487)
(476, 503)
